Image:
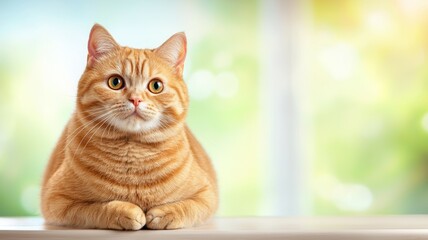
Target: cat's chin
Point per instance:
(136, 125)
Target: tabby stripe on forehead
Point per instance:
(143, 67)
(136, 61)
(129, 68)
(131, 62)
(145, 54)
(150, 73)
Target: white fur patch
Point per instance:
(130, 121)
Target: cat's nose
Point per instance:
(135, 101)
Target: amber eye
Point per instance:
(115, 83)
(155, 86)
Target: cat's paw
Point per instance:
(163, 217)
(125, 216)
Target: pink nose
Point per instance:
(135, 101)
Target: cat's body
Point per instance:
(126, 158)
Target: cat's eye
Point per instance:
(115, 83)
(155, 86)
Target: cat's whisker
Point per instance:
(106, 119)
(108, 125)
(113, 115)
(69, 139)
(161, 126)
(94, 111)
(101, 121)
(108, 130)
(167, 121)
(98, 111)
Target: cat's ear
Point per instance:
(100, 42)
(174, 51)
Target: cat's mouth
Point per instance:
(138, 116)
(137, 121)
(135, 114)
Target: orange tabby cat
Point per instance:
(126, 158)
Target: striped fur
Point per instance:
(117, 166)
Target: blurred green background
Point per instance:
(362, 105)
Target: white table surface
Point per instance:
(390, 227)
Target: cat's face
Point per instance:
(133, 90)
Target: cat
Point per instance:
(126, 159)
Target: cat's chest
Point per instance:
(134, 152)
(133, 163)
(126, 151)
(137, 173)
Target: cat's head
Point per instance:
(135, 91)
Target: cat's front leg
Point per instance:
(117, 215)
(185, 213)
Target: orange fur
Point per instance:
(117, 167)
